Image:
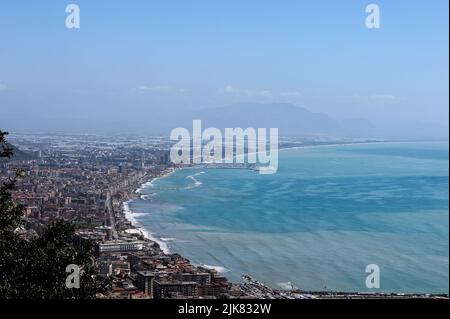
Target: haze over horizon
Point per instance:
(135, 68)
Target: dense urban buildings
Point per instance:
(86, 179)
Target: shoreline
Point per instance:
(163, 245)
(131, 216)
(147, 234)
(357, 143)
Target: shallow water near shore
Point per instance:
(326, 214)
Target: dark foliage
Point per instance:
(36, 268)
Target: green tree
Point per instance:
(36, 268)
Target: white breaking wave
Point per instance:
(147, 185)
(147, 196)
(286, 285)
(219, 269)
(197, 183)
(131, 216)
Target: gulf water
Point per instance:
(317, 223)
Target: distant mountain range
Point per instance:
(297, 121)
(291, 120)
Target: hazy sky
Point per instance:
(146, 59)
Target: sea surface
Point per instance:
(318, 222)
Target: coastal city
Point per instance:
(88, 180)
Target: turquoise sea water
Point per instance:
(326, 214)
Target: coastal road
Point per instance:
(110, 211)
